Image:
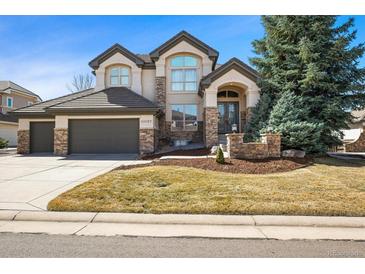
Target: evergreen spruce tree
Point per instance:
(260, 116)
(312, 57)
(290, 117)
(219, 157)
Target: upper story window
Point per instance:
(29, 103)
(184, 73)
(119, 76)
(9, 102)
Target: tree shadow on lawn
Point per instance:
(348, 162)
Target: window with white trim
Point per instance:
(9, 102)
(119, 76)
(184, 117)
(184, 73)
(29, 103)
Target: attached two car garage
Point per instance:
(89, 136)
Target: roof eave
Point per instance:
(102, 110)
(31, 114)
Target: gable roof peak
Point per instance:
(233, 63)
(116, 48)
(187, 37)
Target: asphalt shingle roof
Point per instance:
(114, 99)
(110, 98)
(40, 107)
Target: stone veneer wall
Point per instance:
(146, 141)
(160, 83)
(155, 138)
(23, 146)
(269, 147)
(274, 144)
(60, 141)
(358, 145)
(211, 126)
(194, 136)
(160, 87)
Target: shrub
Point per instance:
(219, 158)
(3, 143)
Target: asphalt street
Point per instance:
(41, 245)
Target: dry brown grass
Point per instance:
(328, 187)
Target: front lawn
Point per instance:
(327, 187)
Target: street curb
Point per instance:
(187, 219)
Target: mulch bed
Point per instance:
(235, 165)
(190, 152)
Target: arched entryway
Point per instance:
(231, 105)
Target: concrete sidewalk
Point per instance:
(174, 225)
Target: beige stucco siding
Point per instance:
(148, 84)
(24, 123)
(8, 131)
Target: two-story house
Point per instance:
(176, 92)
(13, 96)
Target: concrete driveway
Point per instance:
(30, 182)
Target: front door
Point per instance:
(228, 115)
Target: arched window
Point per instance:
(184, 73)
(227, 94)
(119, 76)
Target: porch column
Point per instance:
(23, 146)
(210, 118)
(61, 136)
(252, 97)
(147, 134)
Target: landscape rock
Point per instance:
(293, 153)
(214, 149)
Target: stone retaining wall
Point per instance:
(269, 147)
(358, 145)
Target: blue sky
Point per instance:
(42, 53)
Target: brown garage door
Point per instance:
(104, 136)
(41, 137)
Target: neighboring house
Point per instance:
(177, 92)
(355, 127)
(354, 138)
(13, 96)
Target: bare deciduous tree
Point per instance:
(81, 82)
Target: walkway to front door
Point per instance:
(228, 115)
